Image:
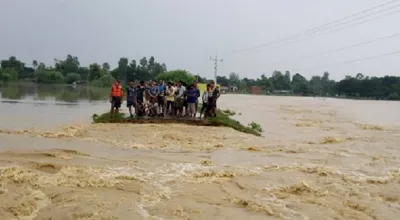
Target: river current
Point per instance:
(318, 158)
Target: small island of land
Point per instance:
(222, 119)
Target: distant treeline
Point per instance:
(70, 71)
(360, 86)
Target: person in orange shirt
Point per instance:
(116, 98)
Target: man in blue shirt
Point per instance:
(191, 99)
(161, 97)
(197, 90)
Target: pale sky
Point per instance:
(185, 33)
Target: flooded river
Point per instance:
(318, 159)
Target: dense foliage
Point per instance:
(177, 75)
(70, 71)
(360, 86)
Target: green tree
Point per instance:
(143, 62)
(41, 67)
(177, 75)
(84, 72)
(223, 81)
(300, 85)
(69, 65)
(94, 71)
(72, 77)
(234, 79)
(279, 81)
(200, 79)
(103, 81)
(5, 77)
(13, 63)
(52, 77)
(394, 96)
(106, 66)
(35, 64)
(287, 80)
(9, 74)
(121, 72)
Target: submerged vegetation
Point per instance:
(254, 126)
(222, 120)
(229, 112)
(106, 118)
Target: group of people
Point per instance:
(164, 99)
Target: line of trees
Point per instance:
(359, 86)
(70, 70)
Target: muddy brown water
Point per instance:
(318, 159)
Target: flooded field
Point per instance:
(318, 159)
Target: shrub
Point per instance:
(72, 77)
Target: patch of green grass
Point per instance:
(228, 112)
(255, 126)
(106, 117)
(225, 120)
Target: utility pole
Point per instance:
(215, 67)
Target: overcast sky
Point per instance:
(185, 33)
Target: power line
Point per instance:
(339, 29)
(317, 28)
(358, 60)
(352, 15)
(347, 47)
(371, 57)
(377, 12)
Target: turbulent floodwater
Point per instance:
(319, 159)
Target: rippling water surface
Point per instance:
(318, 159)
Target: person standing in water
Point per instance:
(116, 96)
(130, 97)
